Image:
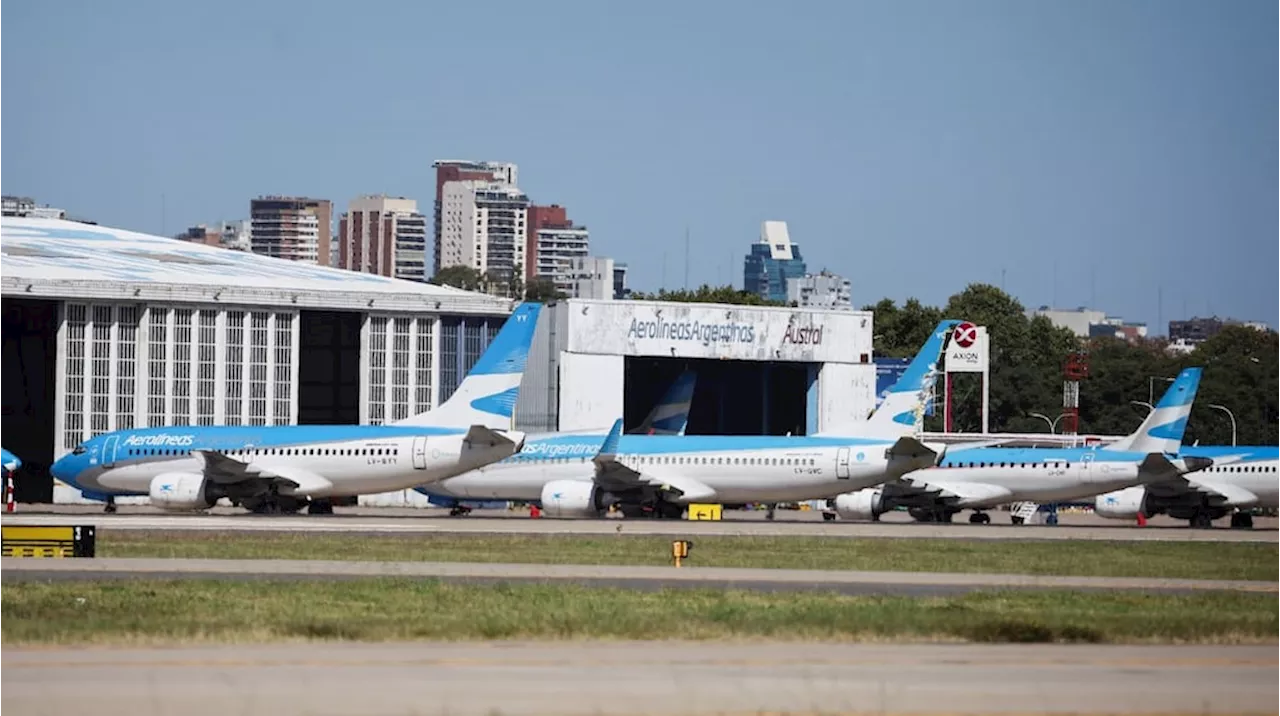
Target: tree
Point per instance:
(707, 294)
(542, 290)
(463, 277)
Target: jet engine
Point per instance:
(861, 505)
(570, 498)
(1123, 504)
(181, 491)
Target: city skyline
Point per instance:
(1093, 147)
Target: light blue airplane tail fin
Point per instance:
(487, 395)
(1164, 427)
(671, 415)
(902, 410)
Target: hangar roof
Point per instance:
(53, 258)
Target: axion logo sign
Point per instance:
(805, 336)
(160, 440)
(965, 335)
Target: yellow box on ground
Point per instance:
(49, 542)
(704, 512)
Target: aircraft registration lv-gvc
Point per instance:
(980, 478)
(584, 475)
(287, 467)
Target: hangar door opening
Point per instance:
(329, 368)
(30, 359)
(730, 398)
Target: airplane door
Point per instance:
(842, 463)
(109, 451)
(420, 453)
(1086, 468)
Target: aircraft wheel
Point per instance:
(828, 517)
(980, 518)
(1201, 521)
(320, 507)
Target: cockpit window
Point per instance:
(80, 450)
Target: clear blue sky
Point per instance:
(1091, 150)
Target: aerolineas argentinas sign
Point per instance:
(700, 330)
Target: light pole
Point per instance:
(1224, 409)
(1053, 424)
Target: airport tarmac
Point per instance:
(633, 678)
(789, 523)
(642, 577)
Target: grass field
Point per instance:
(158, 611)
(1181, 560)
(183, 611)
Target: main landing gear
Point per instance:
(110, 509)
(459, 511)
(1241, 521)
(979, 518)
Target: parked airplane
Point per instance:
(578, 476)
(669, 417)
(283, 468)
(1241, 478)
(980, 478)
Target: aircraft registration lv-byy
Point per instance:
(1241, 478)
(981, 478)
(284, 468)
(581, 476)
(461, 494)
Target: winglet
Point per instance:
(11, 461)
(609, 447)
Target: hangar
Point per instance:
(105, 329)
(761, 370)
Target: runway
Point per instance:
(642, 577)
(421, 521)
(632, 678)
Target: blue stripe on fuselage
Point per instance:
(965, 456)
(231, 437)
(569, 446)
(1247, 453)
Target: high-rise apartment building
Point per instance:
(483, 225)
(234, 235)
(291, 227)
(820, 290)
(453, 170)
(383, 235)
(553, 244)
(772, 261)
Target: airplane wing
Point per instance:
(612, 474)
(292, 480)
(943, 491)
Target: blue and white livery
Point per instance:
(1241, 478)
(9, 461)
(283, 468)
(668, 417)
(582, 476)
(980, 478)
